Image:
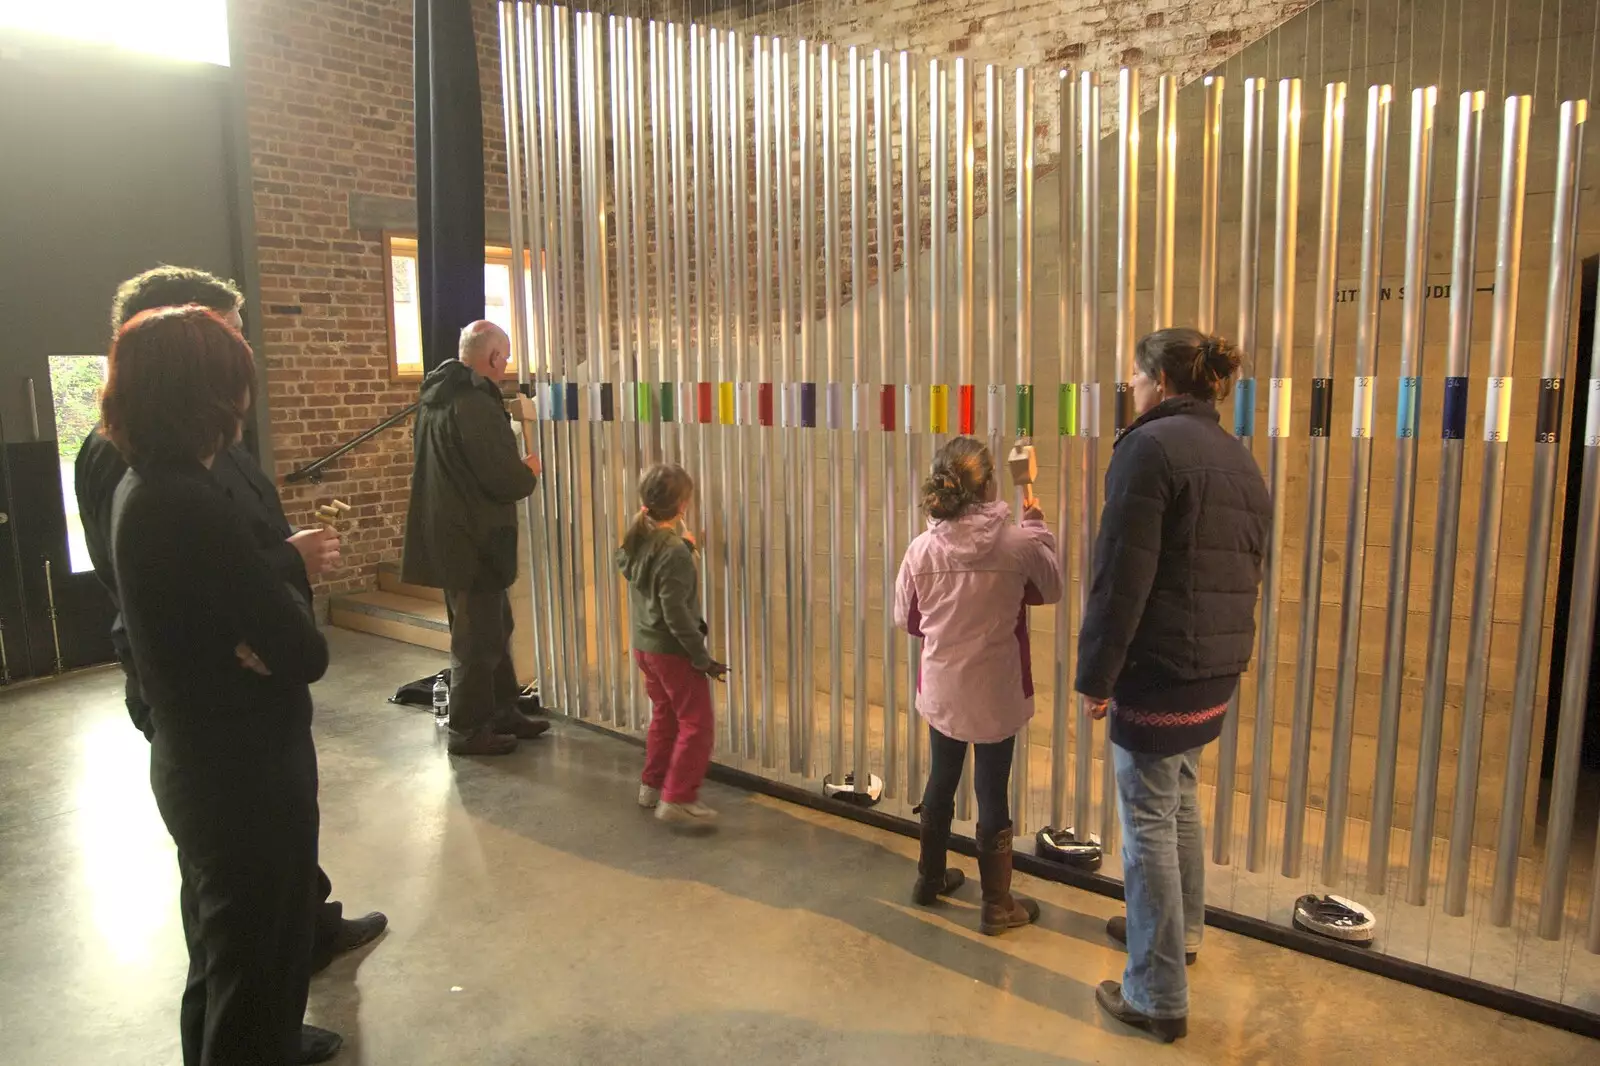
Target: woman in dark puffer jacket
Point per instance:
(1168, 629)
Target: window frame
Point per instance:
(404, 244)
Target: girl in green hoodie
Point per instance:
(669, 644)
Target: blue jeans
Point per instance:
(1163, 876)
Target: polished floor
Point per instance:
(539, 917)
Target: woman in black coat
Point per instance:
(225, 652)
(1167, 630)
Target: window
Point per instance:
(405, 308)
(195, 30)
(75, 383)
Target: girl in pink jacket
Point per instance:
(965, 586)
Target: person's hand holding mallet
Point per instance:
(1024, 466)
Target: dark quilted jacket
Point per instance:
(1170, 622)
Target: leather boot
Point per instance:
(934, 877)
(1001, 909)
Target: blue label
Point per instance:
(1405, 419)
(1244, 408)
(808, 404)
(1455, 409)
(558, 402)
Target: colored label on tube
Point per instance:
(886, 420)
(1067, 411)
(1547, 428)
(911, 412)
(764, 403)
(967, 416)
(1362, 395)
(1279, 393)
(808, 404)
(1497, 410)
(594, 401)
(1406, 412)
(1024, 410)
(1455, 409)
(996, 409)
(608, 402)
(835, 405)
(667, 401)
(1122, 410)
(725, 402)
(1321, 406)
(1089, 409)
(1591, 418)
(938, 409)
(703, 402)
(642, 398)
(572, 401)
(1244, 408)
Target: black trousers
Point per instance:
(330, 913)
(483, 681)
(248, 858)
(991, 779)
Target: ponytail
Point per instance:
(663, 490)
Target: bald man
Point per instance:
(461, 535)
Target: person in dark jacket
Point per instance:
(669, 646)
(225, 651)
(1167, 631)
(294, 558)
(461, 535)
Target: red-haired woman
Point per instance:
(225, 653)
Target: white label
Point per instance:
(835, 401)
(1497, 410)
(1362, 394)
(997, 417)
(913, 411)
(1089, 416)
(1279, 392)
(1591, 425)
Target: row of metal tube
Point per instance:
(658, 121)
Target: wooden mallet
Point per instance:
(1024, 466)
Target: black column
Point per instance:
(449, 157)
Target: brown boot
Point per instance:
(1001, 909)
(935, 877)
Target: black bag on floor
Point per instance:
(418, 693)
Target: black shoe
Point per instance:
(486, 741)
(318, 1045)
(519, 725)
(1109, 996)
(1117, 929)
(528, 703)
(353, 933)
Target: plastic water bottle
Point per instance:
(441, 700)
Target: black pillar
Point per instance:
(449, 157)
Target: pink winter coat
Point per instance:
(965, 586)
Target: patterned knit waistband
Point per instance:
(1167, 719)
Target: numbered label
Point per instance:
(1497, 410)
(1279, 394)
(1362, 394)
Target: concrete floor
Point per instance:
(540, 917)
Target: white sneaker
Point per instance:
(686, 815)
(649, 797)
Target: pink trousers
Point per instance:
(682, 726)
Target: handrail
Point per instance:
(312, 471)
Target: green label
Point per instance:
(1024, 410)
(641, 393)
(1067, 411)
(667, 406)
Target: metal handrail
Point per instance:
(312, 471)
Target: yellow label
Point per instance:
(725, 402)
(939, 408)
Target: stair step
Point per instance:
(389, 614)
(389, 580)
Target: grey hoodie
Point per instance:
(664, 597)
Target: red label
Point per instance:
(764, 403)
(703, 402)
(886, 408)
(966, 416)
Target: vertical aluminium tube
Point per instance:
(662, 215)
(790, 457)
(761, 553)
(806, 442)
(682, 308)
(1447, 520)
(1210, 194)
(1575, 674)
(966, 174)
(886, 393)
(1286, 219)
(1419, 205)
(743, 547)
(911, 246)
(994, 284)
(1305, 682)
(830, 255)
(1067, 430)
(1024, 328)
(639, 287)
(1166, 199)
(1496, 421)
(858, 378)
(1088, 414)
(1362, 399)
(1546, 458)
(699, 74)
(721, 546)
